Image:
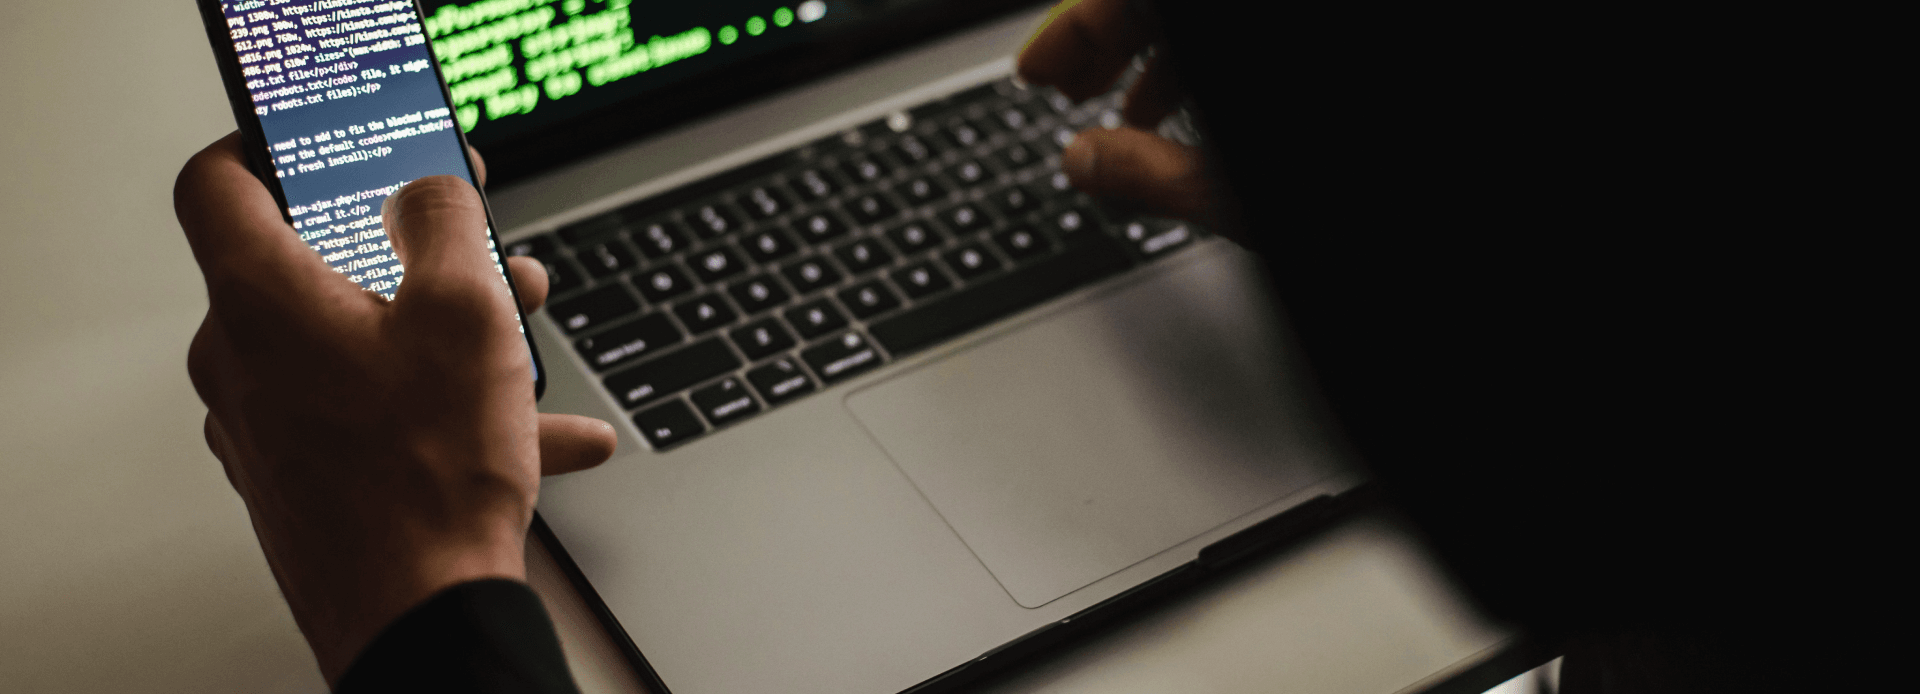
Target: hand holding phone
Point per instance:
(385, 449)
(381, 432)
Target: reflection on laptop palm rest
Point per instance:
(1072, 449)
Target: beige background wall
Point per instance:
(126, 564)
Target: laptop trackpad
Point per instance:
(1080, 445)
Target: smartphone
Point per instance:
(341, 102)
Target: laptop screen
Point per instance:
(539, 83)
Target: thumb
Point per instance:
(1140, 170)
(439, 231)
(436, 224)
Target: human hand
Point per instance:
(1081, 50)
(385, 450)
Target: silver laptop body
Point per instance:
(899, 524)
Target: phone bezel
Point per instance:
(254, 141)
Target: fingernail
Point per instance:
(387, 204)
(1078, 160)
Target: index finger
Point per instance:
(235, 228)
(1084, 46)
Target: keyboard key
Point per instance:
(669, 374)
(1155, 239)
(816, 318)
(987, 301)
(969, 172)
(842, 358)
(921, 191)
(1014, 200)
(761, 339)
(1013, 117)
(1062, 136)
(703, 313)
(863, 255)
(716, 264)
(911, 149)
(963, 134)
(819, 226)
(865, 169)
(965, 218)
(871, 208)
(869, 299)
(810, 274)
(1059, 182)
(712, 220)
(1019, 156)
(921, 280)
(764, 201)
(1071, 220)
(812, 185)
(662, 283)
(541, 246)
(1020, 243)
(984, 122)
(913, 236)
(606, 258)
(769, 245)
(971, 260)
(780, 381)
(660, 239)
(590, 229)
(983, 118)
(626, 343)
(595, 308)
(724, 401)
(561, 276)
(668, 424)
(758, 294)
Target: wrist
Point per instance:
(398, 578)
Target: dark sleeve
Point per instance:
(1595, 408)
(488, 637)
(1502, 330)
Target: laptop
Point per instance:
(895, 401)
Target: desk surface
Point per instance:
(130, 565)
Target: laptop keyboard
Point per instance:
(711, 303)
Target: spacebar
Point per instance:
(981, 303)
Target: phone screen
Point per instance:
(351, 108)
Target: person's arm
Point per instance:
(387, 451)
